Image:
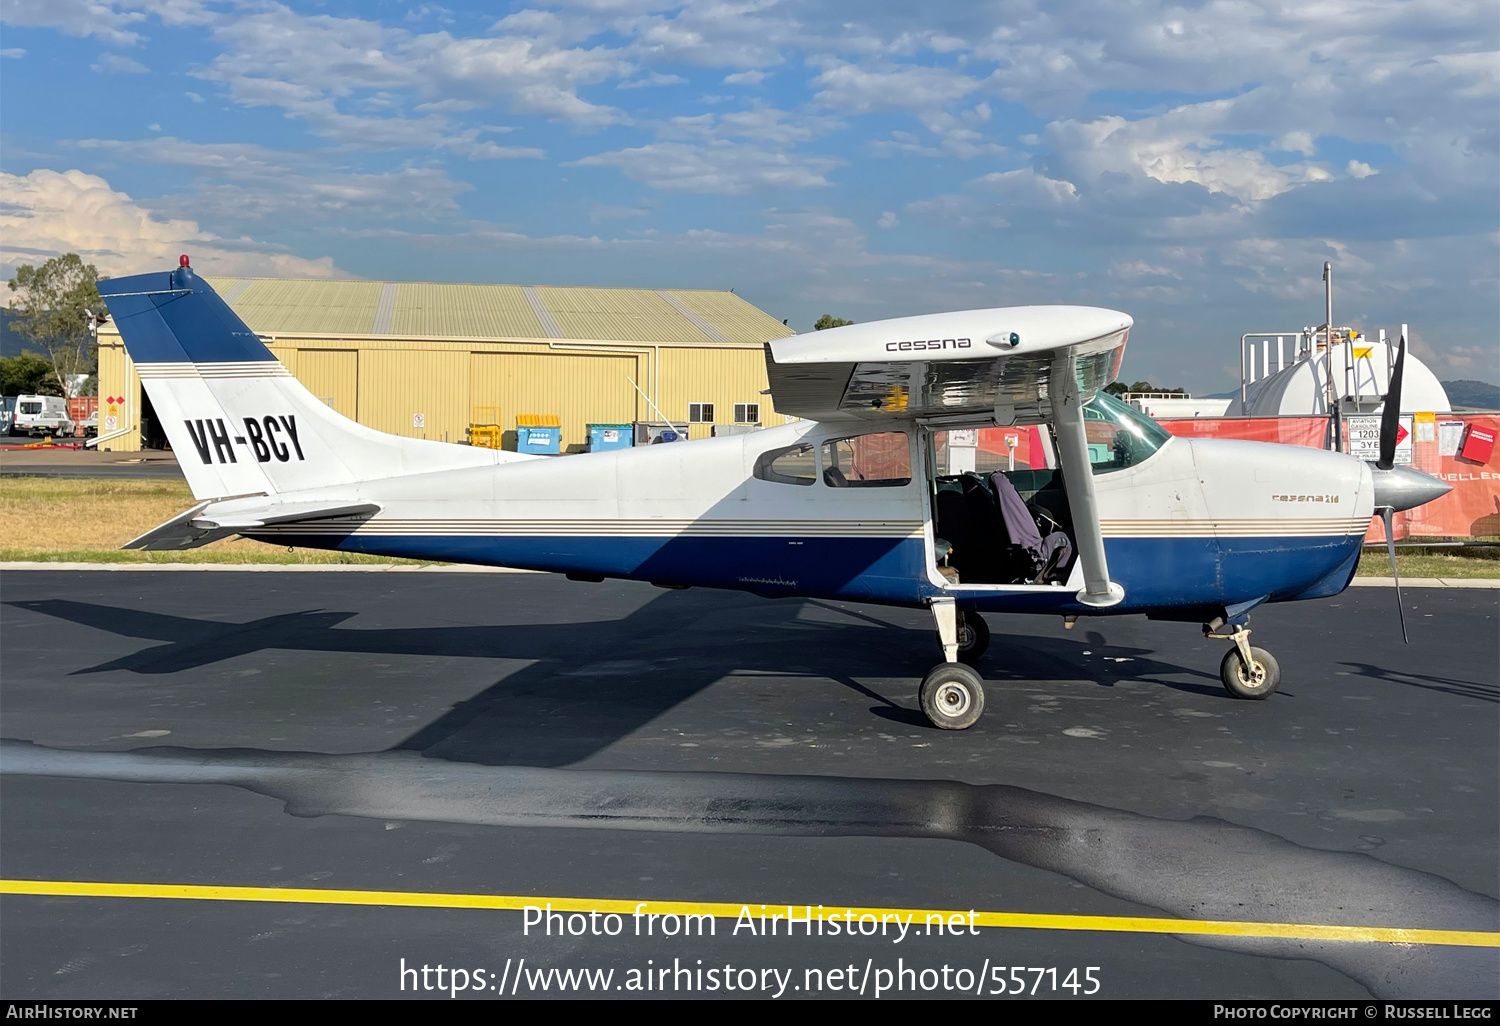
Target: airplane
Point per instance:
(1115, 516)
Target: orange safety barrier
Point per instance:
(1028, 440)
(1471, 510)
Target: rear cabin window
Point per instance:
(880, 460)
(794, 465)
(31, 407)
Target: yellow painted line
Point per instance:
(727, 910)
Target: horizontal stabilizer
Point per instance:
(200, 525)
(244, 519)
(176, 534)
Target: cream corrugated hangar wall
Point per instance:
(427, 360)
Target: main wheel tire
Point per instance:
(1255, 683)
(973, 638)
(952, 696)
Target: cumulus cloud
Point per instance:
(652, 80)
(717, 167)
(1180, 147)
(1481, 363)
(118, 64)
(309, 65)
(105, 21)
(1133, 270)
(239, 182)
(768, 125)
(48, 213)
(859, 89)
(115, 22)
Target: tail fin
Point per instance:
(238, 421)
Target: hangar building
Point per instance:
(429, 360)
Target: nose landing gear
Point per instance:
(1246, 672)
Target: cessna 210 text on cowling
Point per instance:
(1118, 517)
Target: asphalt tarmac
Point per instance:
(19, 459)
(523, 736)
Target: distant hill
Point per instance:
(1476, 395)
(12, 341)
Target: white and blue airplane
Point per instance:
(845, 503)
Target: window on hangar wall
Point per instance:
(700, 413)
(747, 413)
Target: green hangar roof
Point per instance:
(430, 310)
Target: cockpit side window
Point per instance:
(1119, 436)
(793, 465)
(878, 460)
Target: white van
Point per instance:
(39, 415)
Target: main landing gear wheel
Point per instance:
(1258, 681)
(952, 696)
(973, 637)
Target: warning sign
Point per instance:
(1364, 438)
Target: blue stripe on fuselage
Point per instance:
(1157, 573)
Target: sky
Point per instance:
(1193, 164)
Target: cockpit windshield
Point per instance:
(1119, 436)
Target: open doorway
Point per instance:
(153, 433)
(999, 510)
(1000, 514)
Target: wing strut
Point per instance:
(1078, 479)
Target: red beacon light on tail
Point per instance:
(182, 261)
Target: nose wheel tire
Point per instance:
(952, 696)
(1258, 681)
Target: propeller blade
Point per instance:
(1390, 416)
(1387, 514)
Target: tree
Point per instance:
(27, 374)
(1120, 388)
(830, 321)
(56, 306)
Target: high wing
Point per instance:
(210, 521)
(964, 363)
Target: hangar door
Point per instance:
(580, 390)
(332, 375)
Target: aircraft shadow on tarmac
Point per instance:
(590, 684)
(490, 760)
(1484, 692)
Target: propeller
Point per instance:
(1387, 514)
(1390, 416)
(1385, 473)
